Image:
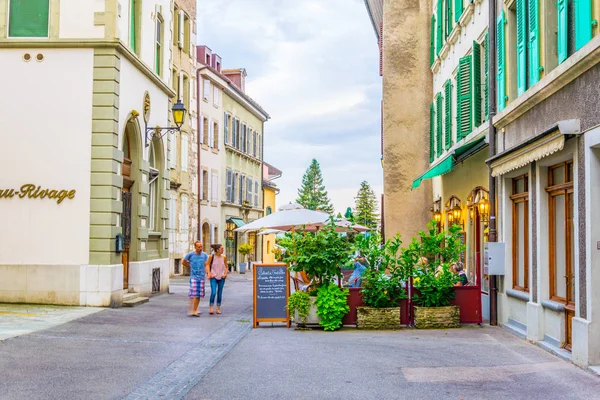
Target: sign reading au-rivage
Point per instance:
(32, 191)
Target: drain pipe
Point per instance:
(492, 236)
(198, 169)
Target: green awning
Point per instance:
(441, 168)
(237, 221)
(469, 149)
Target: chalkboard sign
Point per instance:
(271, 292)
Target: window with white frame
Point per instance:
(249, 190)
(180, 29)
(152, 190)
(183, 224)
(184, 153)
(256, 193)
(172, 212)
(206, 91)
(215, 187)
(229, 186)
(210, 133)
(215, 95)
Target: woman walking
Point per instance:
(216, 270)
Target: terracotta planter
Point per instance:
(312, 318)
(378, 318)
(437, 317)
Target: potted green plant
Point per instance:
(299, 307)
(245, 249)
(433, 256)
(381, 291)
(320, 255)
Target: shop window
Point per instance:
(520, 233)
(561, 232)
(28, 18)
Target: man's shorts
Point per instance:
(196, 288)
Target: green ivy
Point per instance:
(332, 305)
(299, 301)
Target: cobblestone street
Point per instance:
(156, 351)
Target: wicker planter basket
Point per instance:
(378, 318)
(437, 317)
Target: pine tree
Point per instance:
(366, 206)
(312, 195)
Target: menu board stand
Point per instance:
(271, 290)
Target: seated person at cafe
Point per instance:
(462, 276)
(359, 270)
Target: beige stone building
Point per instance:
(182, 146)
(405, 111)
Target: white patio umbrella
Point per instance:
(300, 219)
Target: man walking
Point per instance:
(196, 261)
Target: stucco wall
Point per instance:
(77, 19)
(407, 87)
(269, 201)
(46, 138)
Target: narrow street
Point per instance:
(156, 351)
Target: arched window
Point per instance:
(269, 210)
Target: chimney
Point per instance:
(237, 77)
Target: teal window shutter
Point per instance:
(464, 98)
(438, 125)
(439, 19)
(521, 47)
(448, 17)
(132, 27)
(562, 34)
(486, 83)
(500, 58)
(534, 42)
(432, 42)
(583, 22)
(28, 18)
(448, 114)
(458, 9)
(476, 84)
(431, 133)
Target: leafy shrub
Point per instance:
(299, 301)
(380, 290)
(332, 306)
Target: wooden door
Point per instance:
(570, 272)
(126, 225)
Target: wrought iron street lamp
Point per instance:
(154, 134)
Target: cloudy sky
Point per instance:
(313, 66)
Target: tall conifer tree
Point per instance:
(312, 195)
(366, 206)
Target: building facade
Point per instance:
(546, 170)
(537, 84)
(211, 145)
(270, 192)
(405, 108)
(244, 140)
(182, 146)
(95, 74)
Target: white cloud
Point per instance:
(313, 65)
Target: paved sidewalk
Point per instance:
(155, 351)
(21, 319)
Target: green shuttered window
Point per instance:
(448, 114)
(458, 9)
(476, 84)
(500, 58)
(28, 18)
(439, 20)
(563, 33)
(431, 133)
(432, 42)
(583, 22)
(448, 18)
(132, 27)
(438, 124)
(534, 42)
(486, 105)
(463, 98)
(521, 46)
